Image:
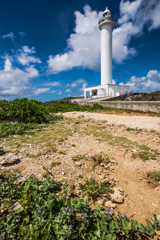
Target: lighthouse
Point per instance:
(106, 24)
(107, 88)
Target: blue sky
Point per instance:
(50, 50)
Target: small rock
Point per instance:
(78, 164)
(117, 197)
(157, 189)
(101, 201)
(109, 204)
(8, 159)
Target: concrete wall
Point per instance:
(145, 106)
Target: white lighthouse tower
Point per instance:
(106, 24)
(106, 89)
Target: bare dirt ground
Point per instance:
(90, 134)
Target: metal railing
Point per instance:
(106, 18)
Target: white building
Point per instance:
(106, 24)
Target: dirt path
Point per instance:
(143, 122)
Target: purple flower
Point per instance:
(124, 215)
(39, 208)
(69, 209)
(70, 227)
(109, 210)
(108, 213)
(66, 208)
(66, 233)
(82, 213)
(121, 216)
(18, 175)
(85, 216)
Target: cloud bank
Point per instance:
(146, 83)
(83, 46)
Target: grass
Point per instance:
(155, 175)
(79, 157)
(134, 129)
(53, 164)
(143, 151)
(73, 145)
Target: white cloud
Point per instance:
(145, 83)
(59, 93)
(68, 90)
(53, 84)
(14, 81)
(83, 87)
(83, 46)
(9, 35)
(76, 83)
(22, 34)
(24, 58)
(40, 90)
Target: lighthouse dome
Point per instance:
(106, 13)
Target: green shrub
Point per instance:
(42, 214)
(23, 110)
(70, 107)
(53, 164)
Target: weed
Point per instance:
(94, 189)
(100, 158)
(62, 152)
(79, 157)
(81, 176)
(154, 175)
(53, 164)
(73, 145)
(45, 174)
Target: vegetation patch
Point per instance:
(41, 213)
(62, 152)
(155, 175)
(134, 129)
(100, 158)
(56, 107)
(94, 189)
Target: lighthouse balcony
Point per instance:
(106, 19)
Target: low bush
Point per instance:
(42, 214)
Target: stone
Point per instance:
(117, 197)
(109, 204)
(15, 206)
(120, 189)
(8, 159)
(78, 164)
(101, 201)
